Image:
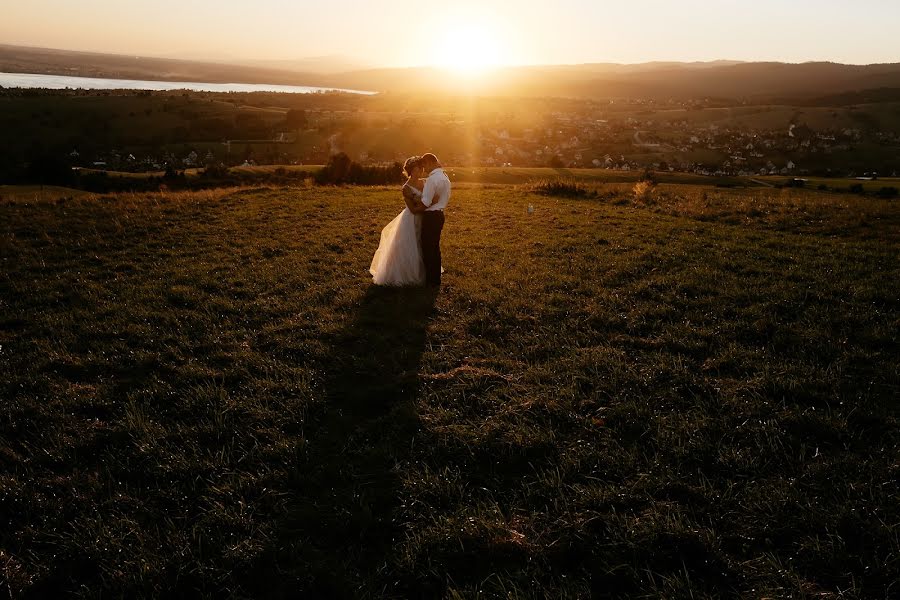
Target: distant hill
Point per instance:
(321, 65)
(19, 59)
(656, 80)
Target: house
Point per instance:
(790, 165)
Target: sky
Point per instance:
(394, 33)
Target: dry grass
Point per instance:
(562, 188)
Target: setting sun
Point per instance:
(470, 48)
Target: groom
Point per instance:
(435, 197)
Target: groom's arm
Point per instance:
(428, 192)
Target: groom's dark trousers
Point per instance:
(432, 225)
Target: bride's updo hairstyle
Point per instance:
(411, 163)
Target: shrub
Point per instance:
(215, 171)
(49, 169)
(566, 188)
(888, 192)
(337, 170)
(342, 170)
(650, 176)
(857, 188)
(296, 119)
(556, 163)
(643, 191)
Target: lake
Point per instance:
(61, 82)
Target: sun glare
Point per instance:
(469, 49)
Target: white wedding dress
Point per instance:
(398, 260)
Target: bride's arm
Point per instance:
(413, 203)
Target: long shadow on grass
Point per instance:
(341, 526)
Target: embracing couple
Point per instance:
(410, 248)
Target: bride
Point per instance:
(398, 260)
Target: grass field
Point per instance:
(690, 396)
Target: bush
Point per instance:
(650, 176)
(643, 191)
(215, 171)
(337, 170)
(556, 163)
(857, 188)
(49, 169)
(888, 192)
(342, 170)
(296, 119)
(566, 188)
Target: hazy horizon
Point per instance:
(467, 35)
(359, 63)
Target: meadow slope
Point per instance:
(692, 396)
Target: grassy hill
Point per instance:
(689, 396)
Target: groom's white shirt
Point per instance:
(436, 194)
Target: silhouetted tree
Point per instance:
(341, 169)
(49, 169)
(296, 119)
(337, 169)
(650, 176)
